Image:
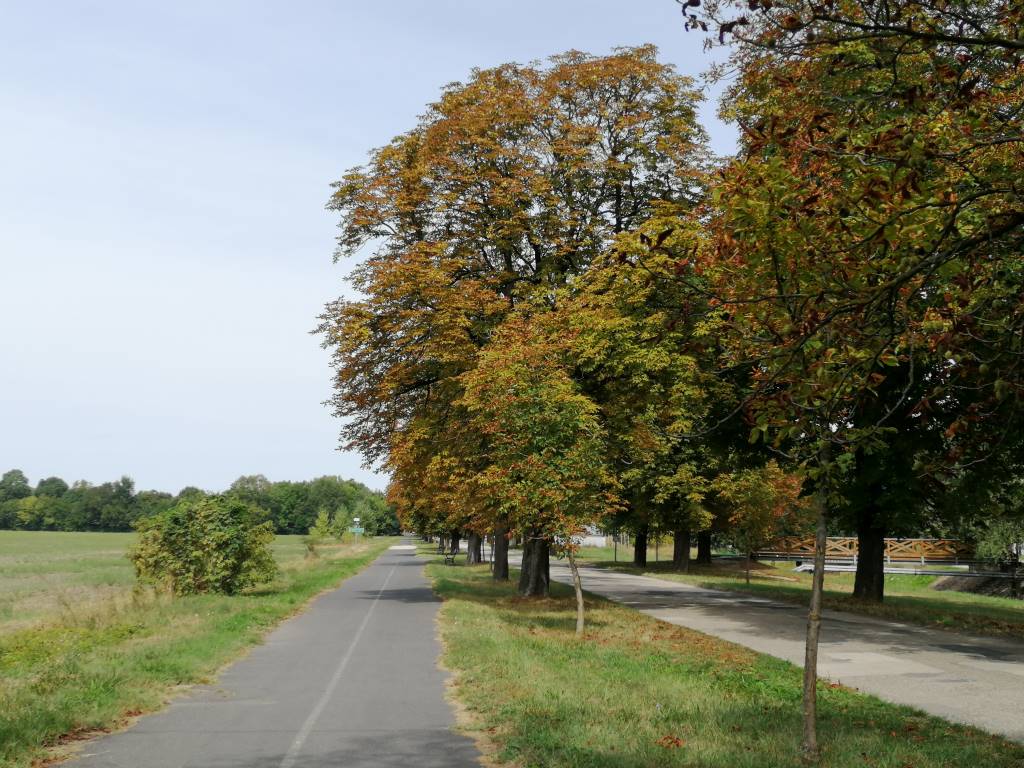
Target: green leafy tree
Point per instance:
(9, 514)
(645, 350)
(14, 485)
(340, 523)
(31, 514)
(253, 488)
(150, 503)
(322, 526)
(117, 503)
(546, 465)
(319, 532)
(190, 493)
(51, 486)
(1003, 543)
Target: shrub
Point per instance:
(1002, 542)
(209, 544)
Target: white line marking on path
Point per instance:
(307, 727)
(403, 546)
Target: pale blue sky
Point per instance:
(164, 248)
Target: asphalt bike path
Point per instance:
(963, 678)
(352, 681)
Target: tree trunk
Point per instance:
(869, 583)
(704, 547)
(809, 747)
(535, 575)
(578, 586)
(440, 543)
(681, 550)
(500, 555)
(748, 568)
(474, 549)
(525, 567)
(455, 542)
(640, 547)
(1014, 580)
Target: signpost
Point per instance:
(356, 528)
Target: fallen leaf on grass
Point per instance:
(668, 741)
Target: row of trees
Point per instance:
(573, 314)
(291, 507)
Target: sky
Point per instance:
(164, 246)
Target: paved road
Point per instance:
(353, 681)
(960, 677)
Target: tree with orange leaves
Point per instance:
(509, 187)
(866, 244)
(546, 454)
(763, 503)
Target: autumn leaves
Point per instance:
(462, 369)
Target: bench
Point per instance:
(449, 557)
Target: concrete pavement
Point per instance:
(963, 678)
(351, 681)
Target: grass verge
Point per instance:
(637, 692)
(89, 671)
(908, 598)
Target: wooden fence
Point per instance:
(896, 550)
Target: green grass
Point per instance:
(46, 573)
(907, 598)
(636, 692)
(81, 650)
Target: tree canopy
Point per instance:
(572, 315)
(510, 187)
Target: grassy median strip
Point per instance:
(908, 598)
(91, 663)
(639, 692)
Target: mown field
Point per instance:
(908, 598)
(82, 649)
(638, 693)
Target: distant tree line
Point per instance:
(292, 507)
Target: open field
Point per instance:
(638, 692)
(81, 650)
(46, 574)
(907, 598)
